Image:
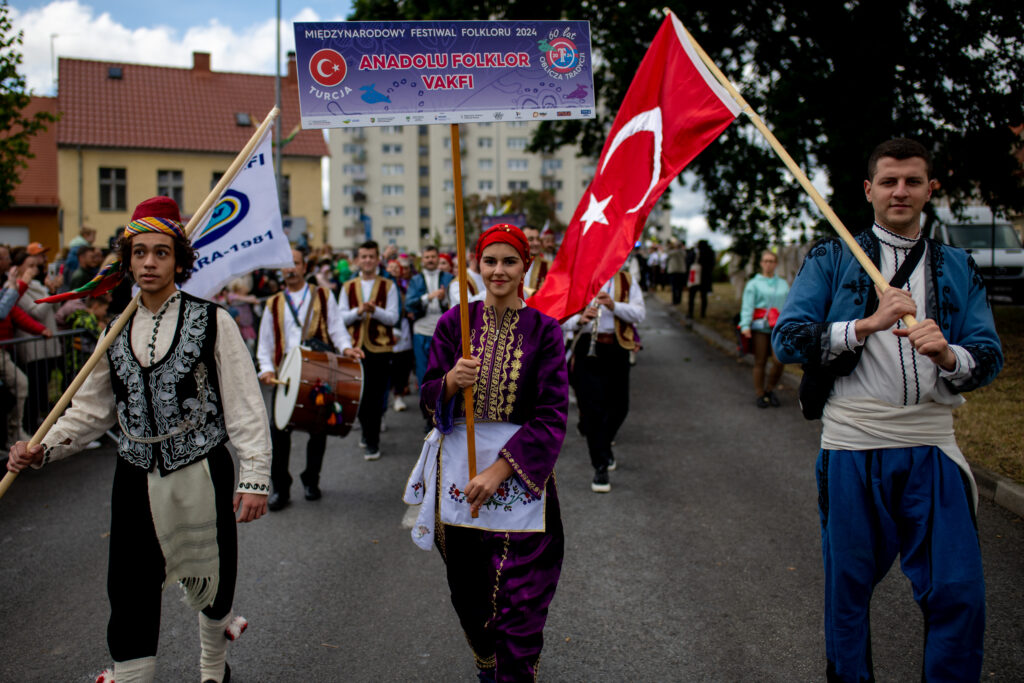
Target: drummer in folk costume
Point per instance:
(299, 315)
(539, 265)
(503, 567)
(178, 381)
(369, 308)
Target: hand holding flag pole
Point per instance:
(460, 238)
(801, 177)
(129, 311)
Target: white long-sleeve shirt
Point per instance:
(388, 315)
(293, 331)
(890, 369)
(632, 312)
(93, 411)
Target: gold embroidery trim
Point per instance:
(519, 472)
(497, 582)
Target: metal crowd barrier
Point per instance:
(34, 372)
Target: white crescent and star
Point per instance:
(649, 121)
(320, 68)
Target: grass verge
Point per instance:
(988, 426)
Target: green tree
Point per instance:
(16, 129)
(831, 79)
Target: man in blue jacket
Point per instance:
(891, 478)
(426, 300)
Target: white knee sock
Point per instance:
(215, 647)
(141, 670)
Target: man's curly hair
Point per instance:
(184, 256)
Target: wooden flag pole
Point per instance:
(129, 311)
(460, 240)
(801, 177)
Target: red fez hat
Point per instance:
(158, 207)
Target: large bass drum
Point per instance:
(320, 392)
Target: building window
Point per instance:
(349, 189)
(424, 212)
(171, 184)
(559, 206)
(354, 231)
(394, 231)
(215, 178)
(350, 211)
(485, 185)
(393, 210)
(394, 130)
(517, 124)
(113, 189)
(425, 191)
(516, 143)
(392, 190)
(447, 186)
(552, 185)
(352, 148)
(518, 185)
(353, 169)
(391, 148)
(485, 142)
(285, 195)
(424, 171)
(447, 164)
(423, 130)
(449, 208)
(392, 169)
(518, 164)
(485, 164)
(424, 150)
(549, 166)
(485, 124)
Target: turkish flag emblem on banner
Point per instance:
(673, 110)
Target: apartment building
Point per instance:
(400, 179)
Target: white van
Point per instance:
(993, 243)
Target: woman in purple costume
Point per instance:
(501, 581)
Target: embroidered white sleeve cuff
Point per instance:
(842, 338)
(964, 365)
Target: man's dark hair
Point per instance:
(184, 256)
(530, 227)
(429, 247)
(369, 244)
(899, 149)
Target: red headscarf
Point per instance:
(507, 234)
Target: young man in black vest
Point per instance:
(179, 382)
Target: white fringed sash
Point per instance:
(859, 424)
(511, 508)
(185, 517)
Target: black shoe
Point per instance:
(312, 491)
(773, 399)
(611, 464)
(227, 675)
(277, 501)
(600, 483)
(763, 401)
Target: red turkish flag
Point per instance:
(673, 110)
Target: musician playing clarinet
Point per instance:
(179, 382)
(300, 315)
(369, 307)
(604, 336)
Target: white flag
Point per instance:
(243, 231)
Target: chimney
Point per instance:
(292, 77)
(201, 61)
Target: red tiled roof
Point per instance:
(38, 186)
(156, 107)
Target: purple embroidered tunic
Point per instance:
(503, 582)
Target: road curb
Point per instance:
(1001, 490)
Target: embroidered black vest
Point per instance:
(176, 397)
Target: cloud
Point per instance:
(74, 29)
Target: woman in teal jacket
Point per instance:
(763, 298)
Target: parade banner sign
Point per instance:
(243, 231)
(366, 73)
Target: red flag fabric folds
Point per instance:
(673, 109)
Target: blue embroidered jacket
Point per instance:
(832, 287)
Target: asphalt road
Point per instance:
(701, 564)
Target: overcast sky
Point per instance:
(239, 35)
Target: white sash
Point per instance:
(511, 508)
(858, 424)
